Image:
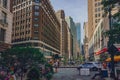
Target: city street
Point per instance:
(70, 74)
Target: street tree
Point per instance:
(114, 28)
(22, 58)
(114, 32)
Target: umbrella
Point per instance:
(116, 58)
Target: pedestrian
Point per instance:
(104, 65)
(56, 66)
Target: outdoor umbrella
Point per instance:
(116, 58)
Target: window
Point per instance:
(99, 15)
(36, 7)
(36, 38)
(36, 19)
(2, 35)
(95, 15)
(96, 21)
(95, 9)
(36, 32)
(98, 9)
(36, 13)
(95, 4)
(5, 3)
(36, 25)
(4, 17)
(37, 1)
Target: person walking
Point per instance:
(56, 66)
(104, 65)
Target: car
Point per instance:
(94, 66)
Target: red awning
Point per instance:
(103, 50)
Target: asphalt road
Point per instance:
(70, 74)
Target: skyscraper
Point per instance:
(86, 40)
(5, 24)
(95, 12)
(64, 33)
(78, 29)
(35, 24)
(72, 27)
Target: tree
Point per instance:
(22, 56)
(33, 74)
(22, 59)
(114, 32)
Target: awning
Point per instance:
(103, 50)
(116, 58)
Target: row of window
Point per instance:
(97, 20)
(21, 5)
(97, 4)
(98, 9)
(98, 15)
(23, 11)
(4, 3)
(21, 33)
(21, 39)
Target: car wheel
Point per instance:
(94, 69)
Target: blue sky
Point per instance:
(77, 9)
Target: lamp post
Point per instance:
(110, 45)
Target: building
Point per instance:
(86, 41)
(97, 25)
(72, 27)
(100, 41)
(5, 24)
(35, 24)
(95, 14)
(78, 29)
(78, 44)
(64, 34)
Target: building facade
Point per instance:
(72, 27)
(86, 41)
(95, 14)
(5, 24)
(78, 42)
(78, 29)
(64, 33)
(35, 24)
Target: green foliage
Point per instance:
(48, 71)
(114, 32)
(49, 66)
(103, 57)
(23, 57)
(33, 74)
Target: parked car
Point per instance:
(94, 66)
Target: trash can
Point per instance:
(104, 73)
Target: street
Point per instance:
(70, 74)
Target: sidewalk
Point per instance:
(108, 79)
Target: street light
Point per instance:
(110, 45)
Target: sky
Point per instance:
(77, 9)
